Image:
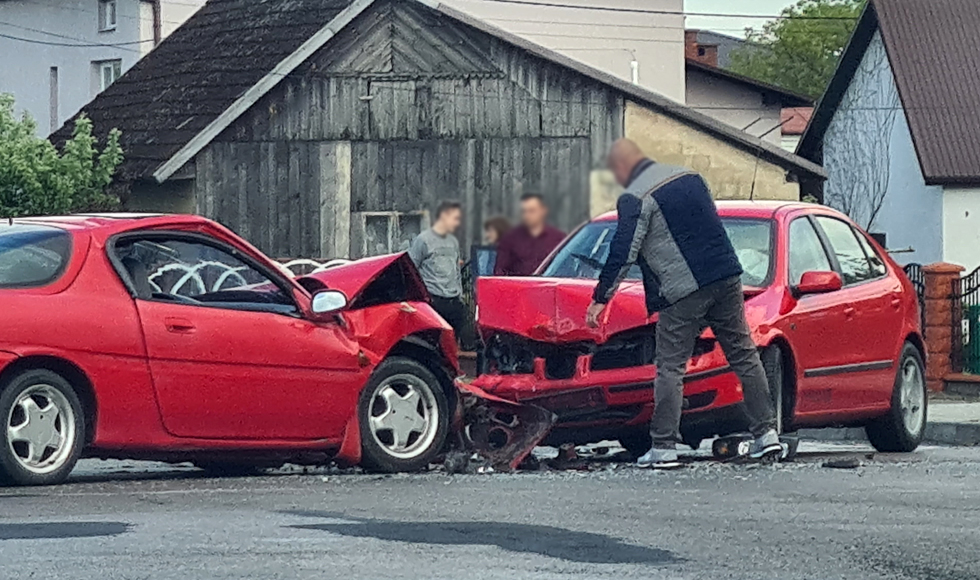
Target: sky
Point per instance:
(732, 26)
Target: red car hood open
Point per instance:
(352, 279)
(553, 309)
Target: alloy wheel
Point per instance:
(404, 416)
(912, 397)
(41, 429)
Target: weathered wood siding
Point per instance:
(431, 109)
(267, 192)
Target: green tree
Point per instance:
(35, 179)
(799, 51)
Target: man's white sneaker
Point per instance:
(765, 445)
(659, 459)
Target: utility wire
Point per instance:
(118, 15)
(50, 43)
(84, 42)
(668, 12)
(623, 25)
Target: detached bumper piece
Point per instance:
(502, 432)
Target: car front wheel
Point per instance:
(772, 362)
(404, 417)
(43, 428)
(902, 428)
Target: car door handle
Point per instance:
(849, 312)
(896, 302)
(179, 325)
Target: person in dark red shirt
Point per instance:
(522, 250)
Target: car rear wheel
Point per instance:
(404, 417)
(43, 428)
(902, 428)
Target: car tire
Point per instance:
(403, 415)
(773, 363)
(45, 454)
(902, 428)
(636, 442)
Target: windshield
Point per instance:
(584, 254)
(32, 255)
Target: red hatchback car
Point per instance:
(171, 338)
(836, 320)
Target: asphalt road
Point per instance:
(904, 516)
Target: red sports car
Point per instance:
(171, 338)
(836, 319)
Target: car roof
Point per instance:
(111, 223)
(741, 208)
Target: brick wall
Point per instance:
(939, 318)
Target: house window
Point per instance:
(389, 232)
(107, 15)
(108, 71)
(702, 51)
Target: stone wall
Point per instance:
(729, 170)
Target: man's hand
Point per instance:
(593, 313)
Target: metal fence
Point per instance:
(918, 279)
(965, 338)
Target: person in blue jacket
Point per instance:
(669, 226)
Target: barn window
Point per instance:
(389, 232)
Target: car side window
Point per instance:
(877, 264)
(806, 253)
(187, 271)
(854, 264)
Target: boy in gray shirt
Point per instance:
(435, 253)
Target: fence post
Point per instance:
(939, 321)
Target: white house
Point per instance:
(59, 54)
(645, 46)
(898, 129)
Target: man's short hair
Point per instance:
(447, 205)
(533, 195)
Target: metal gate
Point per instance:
(965, 304)
(918, 279)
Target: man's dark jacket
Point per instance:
(669, 226)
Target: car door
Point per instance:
(816, 321)
(862, 376)
(229, 354)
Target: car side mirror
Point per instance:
(819, 283)
(327, 302)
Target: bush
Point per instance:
(35, 179)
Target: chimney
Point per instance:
(703, 53)
(691, 44)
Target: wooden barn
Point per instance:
(331, 128)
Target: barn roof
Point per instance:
(211, 70)
(933, 49)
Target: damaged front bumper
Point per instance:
(502, 432)
(590, 405)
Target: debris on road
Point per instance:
(500, 431)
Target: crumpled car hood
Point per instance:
(553, 309)
(353, 278)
